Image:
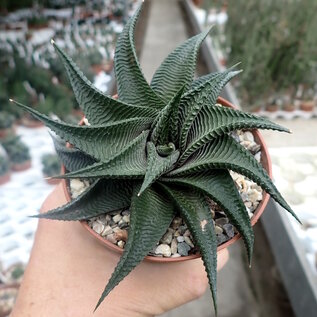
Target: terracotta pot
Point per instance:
(19, 167)
(271, 108)
(5, 178)
(289, 107)
(265, 161)
(51, 181)
(307, 106)
(4, 133)
(5, 311)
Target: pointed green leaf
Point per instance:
(205, 94)
(132, 86)
(212, 122)
(225, 153)
(73, 159)
(156, 165)
(220, 187)
(130, 162)
(197, 215)
(166, 125)
(97, 106)
(101, 142)
(203, 79)
(151, 215)
(177, 70)
(101, 197)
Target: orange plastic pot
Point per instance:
(266, 163)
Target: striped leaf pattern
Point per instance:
(132, 86)
(212, 122)
(193, 101)
(105, 109)
(72, 158)
(196, 213)
(151, 215)
(129, 163)
(178, 69)
(101, 197)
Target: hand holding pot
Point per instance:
(68, 270)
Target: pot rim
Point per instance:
(267, 164)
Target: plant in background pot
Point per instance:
(4, 167)
(160, 152)
(51, 167)
(6, 124)
(18, 153)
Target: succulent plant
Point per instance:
(6, 120)
(17, 151)
(4, 165)
(160, 149)
(51, 164)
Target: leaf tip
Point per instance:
(11, 100)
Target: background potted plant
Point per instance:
(18, 153)
(161, 151)
(4, 167)
(51, 167)
(6, 124)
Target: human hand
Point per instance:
(68, 271)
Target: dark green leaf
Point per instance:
(151, 215)
(101, 142)
(225, 153)
(132, 86)
(197, 215)
(212, 122)
(177, 70)
(203, 79)
(156, 165)
(73, 159)
(97, 106)
(219, 186)
(205, 94)
(101, 197)
(130, 162)
(166, 125)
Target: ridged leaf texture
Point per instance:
(99, 198)
(178, 68)
(226, 153)
(73, 159)
(105, 109)
(196, 212)
(132, 86)
(220, 187)
(151, 215)
(129, 163)
(167, 142)
(157, 165)
(214, 121)
(205, 94)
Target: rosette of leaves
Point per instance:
(160, 150)
(18, 151)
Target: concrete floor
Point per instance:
(165, 31)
